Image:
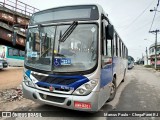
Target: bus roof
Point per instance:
(67, 13)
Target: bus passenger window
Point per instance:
(114, 45)
(120, 51)
(109, 50)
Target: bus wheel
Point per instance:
(124, 75)
(113, 90)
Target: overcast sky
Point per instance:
(131, 18)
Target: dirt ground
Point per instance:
(10, 77)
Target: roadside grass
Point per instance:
(151, 66)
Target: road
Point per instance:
(139, 92)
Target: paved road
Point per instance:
(139, 92)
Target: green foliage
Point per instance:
(149, 66)
(152, 66)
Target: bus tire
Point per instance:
(113, 90)
(124, 75)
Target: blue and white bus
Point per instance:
(15, 57)
(74, 58)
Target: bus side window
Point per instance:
(124, 51)
(104, 48)
(120, 51)
(115, 46)
(109, 48)
(107, 45)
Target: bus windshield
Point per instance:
(46, 52)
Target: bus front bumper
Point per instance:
(82, 103)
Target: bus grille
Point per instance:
(52, 98)
(55, 80)
(58, 89)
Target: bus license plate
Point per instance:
(82, 105)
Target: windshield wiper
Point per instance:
(68, 31)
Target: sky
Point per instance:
(132, 19)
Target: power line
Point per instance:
(158, 3)
(153, 19)
(155, 9)
(144, 25)
(140, 15)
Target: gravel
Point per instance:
(12, 94)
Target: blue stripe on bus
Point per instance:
(107, 73)
(78, 83)
(74, 85)
(28, 73)
(15, 57)
(106, 76)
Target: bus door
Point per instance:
(107, 68)
(106, 72)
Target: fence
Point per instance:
(19, 6)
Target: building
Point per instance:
(146, 60)
(152, 54)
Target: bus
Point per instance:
(74, 58)
(130, 62)
(15, 57)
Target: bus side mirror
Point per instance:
(109, 32)
(14, 37)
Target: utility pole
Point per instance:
(147, 55)
(158, 3)
(155, 61)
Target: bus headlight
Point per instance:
(81, 91)
(86, 88)
(28, 81)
